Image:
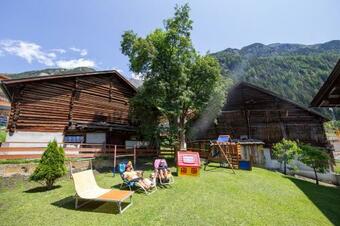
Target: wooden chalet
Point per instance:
(252, 112)
(76, 108)
(329, 93)
(5, 105)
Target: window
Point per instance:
(74, 139)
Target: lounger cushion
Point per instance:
(86, 185)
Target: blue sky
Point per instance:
(67, 33)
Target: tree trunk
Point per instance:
(316, 177)
(182, 138)
(173, 125)
(285, 167)
(49, 184)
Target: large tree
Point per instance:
(179, 83)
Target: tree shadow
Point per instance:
(327, 199)
(42, 189)
(92, 206)
(217, 169)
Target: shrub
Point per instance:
(286, 151)
(51, 165)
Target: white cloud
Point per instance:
(137, 76)
(81, 62)
(61, 51)
(27, 50)
(82, 52)
(33, 52)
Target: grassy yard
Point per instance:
(217, 197)
(337, 166)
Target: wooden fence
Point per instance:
(200, 146)
(33, 150)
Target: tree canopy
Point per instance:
(314, 157)
(286, 151)
(178, 83)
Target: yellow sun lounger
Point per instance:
(87, 188)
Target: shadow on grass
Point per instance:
(42, 189)
(327, 199)
(217, 168)
(92, 206)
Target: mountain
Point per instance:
(50, 71)
(56, 71)
(294, 71)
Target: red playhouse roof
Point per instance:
(188, 158)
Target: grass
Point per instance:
(3, 135)
(337, 166)
(18, 161)
(217, 197)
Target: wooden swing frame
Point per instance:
(225, 151)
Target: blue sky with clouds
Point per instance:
(36, 34)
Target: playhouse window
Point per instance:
(188, 159)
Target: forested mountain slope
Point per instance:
(292, 70)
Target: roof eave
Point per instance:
(325, 118)
(326, 87)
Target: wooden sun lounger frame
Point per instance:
(118, 202)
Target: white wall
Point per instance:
(301, 169)
(269, 162)
(27, 137)
(96, 138)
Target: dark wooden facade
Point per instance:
(5, 105)
(260, 114)
(329, 93)
(72, 104)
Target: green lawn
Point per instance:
(3, 135)
(337, 166)
(217, 197)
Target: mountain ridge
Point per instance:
(294, 71)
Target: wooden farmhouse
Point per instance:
(329, 96)
(252, 112)
(329, 93)
(73, 108)
(5, 105)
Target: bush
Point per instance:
(286, 151)
(51, 165)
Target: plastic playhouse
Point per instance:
(188, 163)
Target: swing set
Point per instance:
(225, 152)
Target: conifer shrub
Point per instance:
(51, 165)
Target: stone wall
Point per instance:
(24, 169)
